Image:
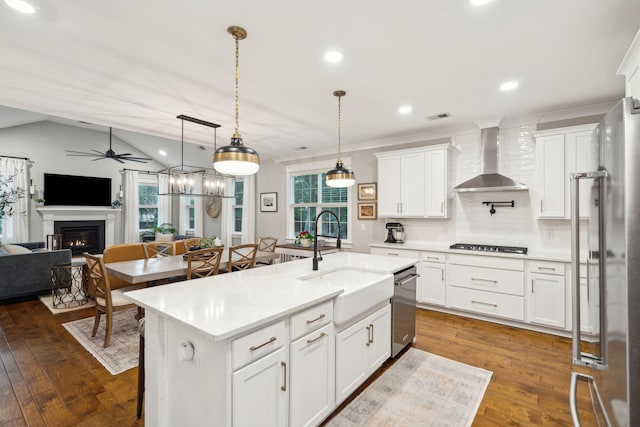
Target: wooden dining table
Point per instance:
(164, 267)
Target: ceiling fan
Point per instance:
(109, 154)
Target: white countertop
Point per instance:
(444, 247)
(229, 304)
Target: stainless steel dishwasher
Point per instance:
(403, 309)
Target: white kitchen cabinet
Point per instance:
(414, 183)
(312, 395)
(360, 350)
(630, 68)
(260, 392)
(559, 153)
(431, 285)
(546, 293)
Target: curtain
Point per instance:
(249, 210)
(131, 232)
(16, 227)
(164, 202)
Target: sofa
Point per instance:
(24, 274)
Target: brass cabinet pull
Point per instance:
(371, 324)
(322, 316)
(368, 335)
(255, 347)
(322, 335)
(283, 387)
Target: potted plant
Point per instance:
(208, 242)
(165, 232)
(40, 202)
(304, 239)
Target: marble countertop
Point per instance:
(540, 255)
(228, 305)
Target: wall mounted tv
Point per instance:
(72, 190)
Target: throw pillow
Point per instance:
(16, 249)
(3, 252)
(160, 237)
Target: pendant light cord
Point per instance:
(237, 54)
(182, 149)
(339, 127)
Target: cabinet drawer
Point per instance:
(486, 279)
(546, 267)
(405, 253)
(490, 303)
(487, 261)
(257, 344)
(433, 257)
(311, 319)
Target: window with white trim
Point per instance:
(237, 206)
(147, 202)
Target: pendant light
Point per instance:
(236, 158)
(340, 176)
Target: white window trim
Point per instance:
(318, 166)
(146, 180)
(236, 234)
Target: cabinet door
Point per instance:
(412, 185)
(578, 159)
(551, 176)
(546, 299)
(312, 377)
(351, 356)
(389, 186)
(379, 338)
(436, 183)
(260, 391)
(431, 284)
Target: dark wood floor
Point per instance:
(48, 379)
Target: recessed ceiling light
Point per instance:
(162, 153)
(405, 109)
(21, 6)
(479, 2)
(510, 85)
(333, 56)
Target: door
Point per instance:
(551, 176)
(436, 183)
(546, 303)
(379, 337)
(412, 185)
(389, 186)
(431, 284)
(351, 351)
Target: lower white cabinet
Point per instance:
(431, 283)
(260, 392)
(546, 299)
(312, 384)
(360, 350)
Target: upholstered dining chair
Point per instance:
(107, 300)
(156, 249)
(117, 253)
(203, 262)
(183, 246)
(242, 257)
(267, 244)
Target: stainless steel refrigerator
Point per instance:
(611, 257)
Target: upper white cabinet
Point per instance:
(630, 68)
(559, 153)
(414, 183)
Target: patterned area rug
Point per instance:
(122, 353)
(47, 300)
(420, 389)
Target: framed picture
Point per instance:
(368, 210)
(368, 191)
(268, 202)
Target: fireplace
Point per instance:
(81, 236)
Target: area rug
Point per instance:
(122, 353)
(420, 389)
(47, 300)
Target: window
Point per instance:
(147, 204)
(237, 206)
(191, 213)
(309, 195)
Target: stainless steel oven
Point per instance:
(403, 309)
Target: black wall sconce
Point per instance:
(495, 205)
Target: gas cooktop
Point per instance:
(489, 248)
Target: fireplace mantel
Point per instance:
(80, 213)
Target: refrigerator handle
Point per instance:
(573, 390)
(578, 357)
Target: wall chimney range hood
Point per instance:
(490, 179)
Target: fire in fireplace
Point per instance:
(81, 236)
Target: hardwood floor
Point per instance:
(48, 379)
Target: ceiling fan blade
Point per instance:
(133, 159)
(137, 158)
(99, 152)
(118, 160)
(123, 154)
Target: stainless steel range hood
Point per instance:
(490, 179)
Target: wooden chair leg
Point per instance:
(107, 334)
(96, 323)
(140, 378)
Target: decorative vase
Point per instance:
(305, 243)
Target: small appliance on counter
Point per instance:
(395, 232)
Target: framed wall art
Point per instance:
(368, 210)
(368, 191)
(268, 202)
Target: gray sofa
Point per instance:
(29, 273)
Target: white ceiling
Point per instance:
(136, 65)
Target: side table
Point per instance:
(69, 285)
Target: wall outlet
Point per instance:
(362, 226)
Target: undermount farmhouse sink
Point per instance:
(363, 289)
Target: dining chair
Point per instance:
(242, 257)
(203, 262)
(107, 300)
(117, 253)
(157, 249)
(267, 244)
(183, 246)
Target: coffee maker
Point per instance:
(395, 232)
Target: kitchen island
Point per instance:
(259, 346)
